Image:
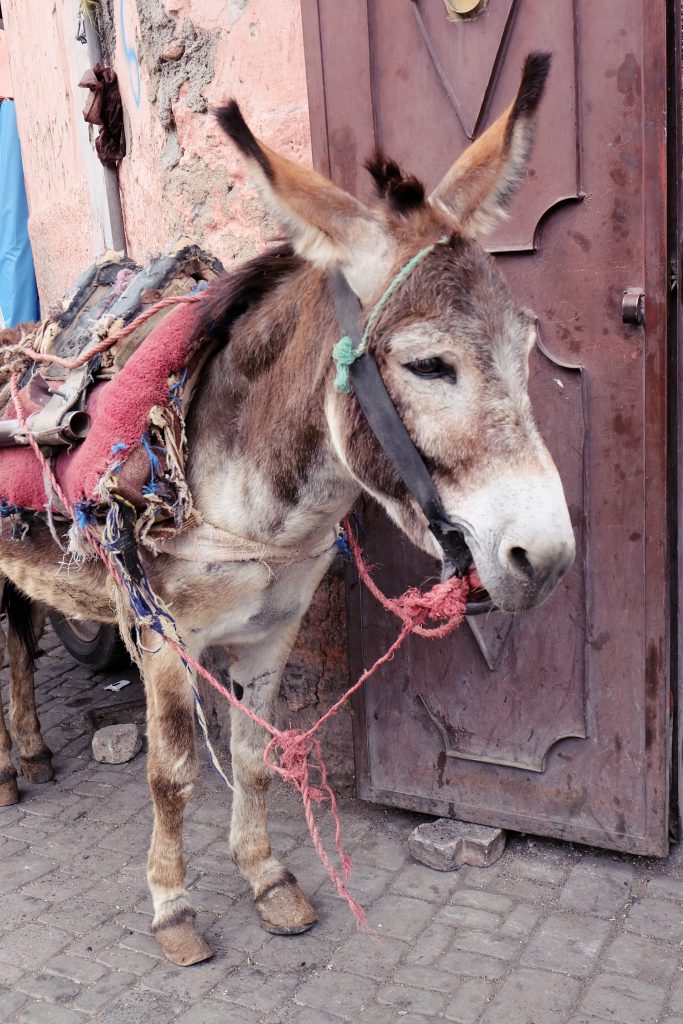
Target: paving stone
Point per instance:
(92, 942)
(597, 887)
(476, 965)
(257, 988)
(9, 973)
(377, 1014)
(125, 960)
(567, 944)
(141, 943)
(49, 1013)
(75, 968)
(302, 1015)
(23, 868)
(337, 992)
(140, 1007)
(367, 956)
(656, 917)
(214, 1013)
(623, 999)
(18, 909)
(237, 928)
(301, 952)
(471, 996)
(487, 944)
(102, 992)
(641, 958)
(458, 918)
(431, 944)
(532, 997)
(521, 921)
(404, 999)
(29, 947)
(380, 851)
(50, 987)
(190, 984)
(423, 883)
(399, 917)
(10, 1002)
(425, 977)
(665, 888)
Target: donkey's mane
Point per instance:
(227, 298)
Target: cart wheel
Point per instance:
(95, 644)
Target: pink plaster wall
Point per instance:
(181, 174)
(64, 225)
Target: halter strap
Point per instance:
(344, 353)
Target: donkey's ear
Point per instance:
(480, 183)
(328, 227)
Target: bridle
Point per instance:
(383, 419)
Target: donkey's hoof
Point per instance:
(284, 910)
(37, 769)
(182, 944)
(9, 792)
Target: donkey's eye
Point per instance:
(432, 368)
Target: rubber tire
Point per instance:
(104, 652)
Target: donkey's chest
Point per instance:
(222, 603)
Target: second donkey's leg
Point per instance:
(171, 770)
(25, 625)
(255, 671)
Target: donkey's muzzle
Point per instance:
(458, 561)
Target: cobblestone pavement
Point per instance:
(551, 933)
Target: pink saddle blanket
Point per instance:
(120, 411)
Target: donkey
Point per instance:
(277, 455)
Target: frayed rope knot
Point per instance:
(344, 356)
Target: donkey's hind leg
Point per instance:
(9, 792)
(255, 671)
(171, 770)
(25, 625)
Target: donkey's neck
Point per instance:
(261, 461)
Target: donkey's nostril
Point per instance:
(520, 560)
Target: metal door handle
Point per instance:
(633, 306)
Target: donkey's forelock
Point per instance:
(403, 192)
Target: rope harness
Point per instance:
(291, 753)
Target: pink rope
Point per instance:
(293, 753)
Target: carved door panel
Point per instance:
(555, 721)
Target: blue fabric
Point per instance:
(18, 292)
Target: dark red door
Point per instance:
(555, 721)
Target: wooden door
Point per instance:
(554, 721)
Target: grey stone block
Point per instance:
(116, 744)
(445, 844)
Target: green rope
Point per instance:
(343, 353)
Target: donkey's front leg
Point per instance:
(171, 770)
(255, 671)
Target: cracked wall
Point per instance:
(176, 60)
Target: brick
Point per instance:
(622, 999)
(24, 868)
(48, 1013)
(190, 985)
(597, 887)
(471, 996)
(10, 1002)
(103, 991)
(50, 987)
(404, 999)
(125, 960)
(650, 916)
(214, 1013)
(567, 944)
(445, 844)
(399, 917)
(423, 883)
(641, 958)
(364, 955)
(83, 972)
(29, 947)
(257, 988)
(140, 1007)
(472, 964)
(532, 997)
(337, 992)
